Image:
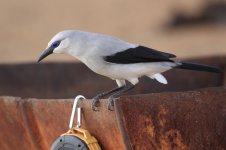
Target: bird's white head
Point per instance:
(60, 43)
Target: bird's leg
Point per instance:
(117, 94)
(99, 96)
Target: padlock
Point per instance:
(76, 138)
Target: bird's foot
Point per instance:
(110, 104)
(95, 103)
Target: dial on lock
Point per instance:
(76, 138)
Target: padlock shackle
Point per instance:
(79, 111)
(77, 98)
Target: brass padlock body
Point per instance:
(85, 136)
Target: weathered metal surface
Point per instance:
(14, 130)
(185, 120)
(174, 121)
(35, 124)
(103, 125)
(65, 80)
(31, 123)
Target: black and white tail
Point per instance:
(198, 67)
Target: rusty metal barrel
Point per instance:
(186, 114)
(174, 120)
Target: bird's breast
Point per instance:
(96, 64)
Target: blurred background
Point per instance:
(194, 28)
(191, 29)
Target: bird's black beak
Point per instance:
(47, 52)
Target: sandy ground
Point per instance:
(27, 26)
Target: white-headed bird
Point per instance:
(117, 59)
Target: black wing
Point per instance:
(139, 54)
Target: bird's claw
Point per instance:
(95, 104)
(110, 104)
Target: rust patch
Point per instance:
(172, 140)
(163, 110)
(174, 121)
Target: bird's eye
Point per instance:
(56, 44)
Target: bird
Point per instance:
(117, 59)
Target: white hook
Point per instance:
(77, 98)
(79, 109)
